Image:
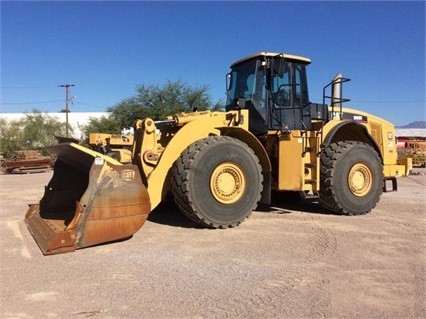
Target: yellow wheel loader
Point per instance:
(220, 166)
(117, 146)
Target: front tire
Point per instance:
(217, 182)
(351, 178)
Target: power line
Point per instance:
(384, 101)
(53, 101)
(27, 87)
(35, 102)
(94, 105)
(372, 102)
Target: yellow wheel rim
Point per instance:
(360, 180)
(227, 183)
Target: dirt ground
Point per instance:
(290, 262)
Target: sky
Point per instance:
(106, 49)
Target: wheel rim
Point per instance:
(360, 180)
(227, 183)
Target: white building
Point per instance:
(76, 120)
(411, 132)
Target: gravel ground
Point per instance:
(290, 262)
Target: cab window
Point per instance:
(290, 88)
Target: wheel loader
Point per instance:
(219, 166)
(117, 146)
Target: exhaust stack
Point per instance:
(336, 90)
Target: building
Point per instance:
(411, 132)
(406, 135)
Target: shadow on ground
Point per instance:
(167, 213)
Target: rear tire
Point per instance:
(351, 178)
(217, 182)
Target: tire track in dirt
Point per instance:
(323, 244)
(264, 301)
(412, 232)
(270, 296)
(273, 294)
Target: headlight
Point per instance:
(390, 135)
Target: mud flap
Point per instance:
(91, 199)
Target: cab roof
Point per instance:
(273, 54)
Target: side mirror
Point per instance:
(228, 81)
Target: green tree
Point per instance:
(34, 131)
(155, 102)
(218, 106)
(40, 129)
(11, 137)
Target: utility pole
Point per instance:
(67, 99)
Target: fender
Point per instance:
(158, 181)
(350, 130)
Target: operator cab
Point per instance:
(274, 88)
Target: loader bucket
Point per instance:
(91, 199)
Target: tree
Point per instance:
(155, 102)
(218, 106)
(34, 131)
(11, 137)
(101, 125)
(40, 129)
(158, 102)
